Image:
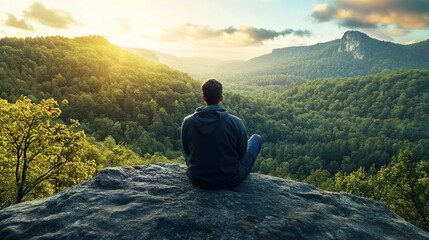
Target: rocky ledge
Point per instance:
(158, 202)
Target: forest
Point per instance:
(366, 135)
(340, 124)
(110, 91)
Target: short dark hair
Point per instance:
(212, 90)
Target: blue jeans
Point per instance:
(254, 145)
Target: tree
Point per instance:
(319, 178)
(405, 188)
(358, 183)
(403, 185)
(37, 151)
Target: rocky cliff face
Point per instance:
(157, 202)
(352, 42)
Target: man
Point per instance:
(215, 145)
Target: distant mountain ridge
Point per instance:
(193, 65)
(146, 53)
(354, 54)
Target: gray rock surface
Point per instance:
(158, 202)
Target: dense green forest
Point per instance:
(340, 124)
(110, 91)
(345, 134)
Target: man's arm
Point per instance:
(185, 148)
(242, 139)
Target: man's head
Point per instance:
(212, 91)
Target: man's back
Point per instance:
(214, 142)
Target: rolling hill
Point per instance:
(111, 91)
(193, 65)
(355, 54)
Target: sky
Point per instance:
(217, 29)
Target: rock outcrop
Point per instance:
(352, 42)
(157, 202)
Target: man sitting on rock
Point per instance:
(215, 145)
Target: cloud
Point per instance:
(191, 31)
(400, 14)
(50, 17)
(302, 33)
(244, 35)
(356, 23)
(13, 21)
(323, 12)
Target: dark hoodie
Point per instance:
(213, 142)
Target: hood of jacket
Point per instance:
(209, 117)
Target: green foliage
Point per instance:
(403, 185)
(110, 154)
(405, 188)
(320, 178)
(339, 125)
(38, 155)
(112, 92)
